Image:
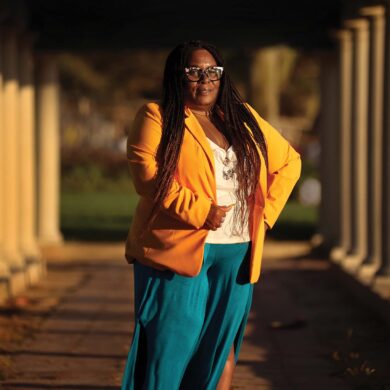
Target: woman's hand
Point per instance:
(216, 216)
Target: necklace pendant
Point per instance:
(228, 174)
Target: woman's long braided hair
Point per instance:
(235, 115)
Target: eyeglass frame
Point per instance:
(203, 72)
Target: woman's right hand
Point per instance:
(216, 216)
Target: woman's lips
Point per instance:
(203, 91)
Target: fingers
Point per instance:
(222, 210)
(220, 214)
(217, 216)
(227, 208)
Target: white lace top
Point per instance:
(226, 182)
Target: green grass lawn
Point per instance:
(296, 222)
(106, 216)
(99, 216)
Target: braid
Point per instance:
(236, 114)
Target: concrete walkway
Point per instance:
(73, 330)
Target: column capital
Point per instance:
(340, 34)
(358, 24)
(374, 10)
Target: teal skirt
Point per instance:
(185, 327)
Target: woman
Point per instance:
(212, 175)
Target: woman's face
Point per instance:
(201, 94)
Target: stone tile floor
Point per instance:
(305, 331)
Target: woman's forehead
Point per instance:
(201, 57)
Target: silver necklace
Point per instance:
(229, 167)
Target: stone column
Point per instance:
(11, 181)
(48, 124)
(272, 91)
(382, 279)
(28, 236)
(4, 268)
(377, 47)
(344, 38)
(330, 221)
(358, 250)
(265, 80)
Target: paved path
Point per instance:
(73, 330)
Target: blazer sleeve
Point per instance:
(284, 169)
(142, 143)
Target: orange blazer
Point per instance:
(175, 239)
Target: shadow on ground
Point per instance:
(305, 331)
(117, 231)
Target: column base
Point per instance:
(381, 286)
(368, 269)
(4, 289)
(366, 273)
(352, 263)
(51, 238)
(14, 261)
(4, 269)
(17, 281)
(4, 281)
(31, 251)
(36, 269)
(337, 254)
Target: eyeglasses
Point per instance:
(194, 73)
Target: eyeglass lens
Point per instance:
(195, 74)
